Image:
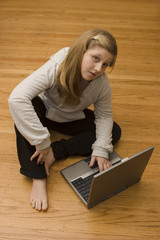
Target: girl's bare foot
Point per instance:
(38, 198)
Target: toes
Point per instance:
(44, 205)
(33, 203)
(39, 205)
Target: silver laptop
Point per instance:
(93, 186)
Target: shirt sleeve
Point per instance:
(104, 123)
(22, 110)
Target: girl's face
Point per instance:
(94, 62)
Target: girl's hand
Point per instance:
(103, 163)
(42, 154)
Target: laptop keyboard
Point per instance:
(83, 185)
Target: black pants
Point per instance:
(83, 136)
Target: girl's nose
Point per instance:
(98, 67)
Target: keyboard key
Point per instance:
(82, 185)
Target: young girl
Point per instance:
(57, 97)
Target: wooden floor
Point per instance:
(31, 31)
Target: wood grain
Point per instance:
(30, 32)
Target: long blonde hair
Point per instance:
(69, 73)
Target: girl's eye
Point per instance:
(96, 58)
(105, 65)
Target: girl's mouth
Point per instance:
(92, 74)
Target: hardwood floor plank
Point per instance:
(30, 32)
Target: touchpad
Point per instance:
(76, 170)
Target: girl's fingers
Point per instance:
(103, 164)
(40, 159)
(34, 155)
(47, 170)
(92, 161)
(107, 165)
(101, 167)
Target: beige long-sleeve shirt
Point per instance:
(42, 83)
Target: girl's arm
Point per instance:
(104, 124)
(22, 110)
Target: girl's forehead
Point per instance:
(98, 49)
(101, 52)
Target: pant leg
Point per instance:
(28, 168)
(25, 150)
(78, 145)
(84, 136)
(116, 133)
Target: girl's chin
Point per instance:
(89, 77)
